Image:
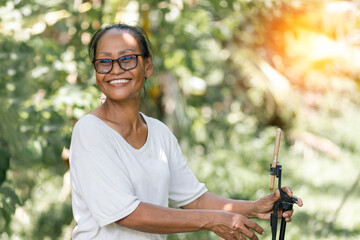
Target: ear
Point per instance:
(148, 67)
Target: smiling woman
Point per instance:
(114, 80)
(127, 167)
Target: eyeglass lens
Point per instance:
(127, 62)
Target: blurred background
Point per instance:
(227, 74)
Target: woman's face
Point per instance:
(121, 85)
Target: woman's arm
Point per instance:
(214, 202)
(155, 219)
(261, 208)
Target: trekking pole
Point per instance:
(287, 202)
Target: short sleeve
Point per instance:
(99, 178)
(184, 186)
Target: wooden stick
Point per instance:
(275, 160)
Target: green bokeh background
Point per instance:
(227, 75)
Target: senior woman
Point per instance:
(127, 167)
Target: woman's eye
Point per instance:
(105, 61)
(125, 58)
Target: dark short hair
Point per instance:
(137, 32)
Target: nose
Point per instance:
(116, 68)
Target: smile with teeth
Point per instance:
(119, 81)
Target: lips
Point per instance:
(119, 81)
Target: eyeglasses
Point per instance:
(126, 63)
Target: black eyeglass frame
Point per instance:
(118, 60)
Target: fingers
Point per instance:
(254, 226)
(234, 235)
(287, 215)
(275, 196)
(299, 201)
(242, 229)
(287, 190)
(245, 231)
(240, 236)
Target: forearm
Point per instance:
(214, 202)
(156, 219)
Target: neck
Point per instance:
(122, 113)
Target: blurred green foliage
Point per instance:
(227, 74)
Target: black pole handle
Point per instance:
(286, 204)
(282, 229)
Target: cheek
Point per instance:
(99, 78)
(100, 82)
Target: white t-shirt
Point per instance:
(109, 178)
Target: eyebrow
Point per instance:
(121, 52)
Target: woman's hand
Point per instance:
(231, 226)
(264, 206)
